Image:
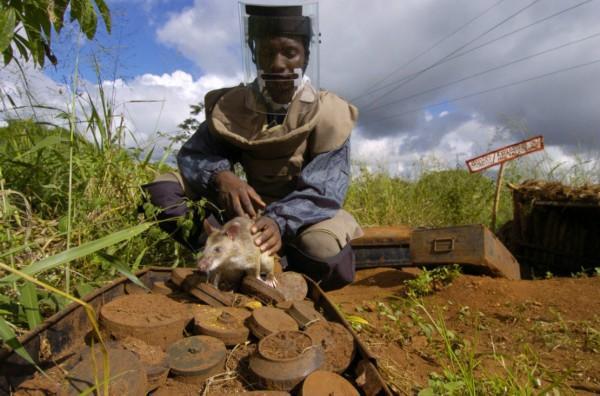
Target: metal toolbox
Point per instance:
(471, 245)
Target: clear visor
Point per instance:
(280, 53)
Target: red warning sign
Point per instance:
(504, 154)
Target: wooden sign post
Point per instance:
(499, 157)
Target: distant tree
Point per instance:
(28, 24)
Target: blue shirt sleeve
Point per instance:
(202, 157)
(319, 194)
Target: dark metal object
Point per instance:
(263, 292)
(382, 256)
(66, 330)
(292, 285)
(326, 383)
(226, 324)
(126, 372)
(268, 320)
(285, 358)
(194, 359)
(336, 341)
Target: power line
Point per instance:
(401, 82)
(373, 88)
(487, 71)
(441, 60)
(456, 99)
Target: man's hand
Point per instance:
(269, 238)
(236, 196)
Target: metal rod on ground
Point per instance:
(497, 196)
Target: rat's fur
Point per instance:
(230, 252)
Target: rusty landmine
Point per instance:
(304, 313)
(152, 318)
(285, 358)
(263, 292)
(268, 320)
(194, 359)
(292, 285)
(326, 383)
(337, 342)
(153, 359)
(226, 324)
(127, 374)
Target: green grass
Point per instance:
(436, 199)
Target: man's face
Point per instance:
(280, 56)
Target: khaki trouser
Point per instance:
(321, 240)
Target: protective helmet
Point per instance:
(280, 48)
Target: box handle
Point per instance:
(443, 245)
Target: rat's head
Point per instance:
(220, 245)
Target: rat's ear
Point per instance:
(208, 228)
(233, 230)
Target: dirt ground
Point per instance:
(538, 335)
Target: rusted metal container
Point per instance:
(472, 245)
(61, 335)
(555, 228)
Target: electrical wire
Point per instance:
(374, 88)
(481, 73)
(459, 98)
(453, 55)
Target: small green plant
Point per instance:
(428, 281)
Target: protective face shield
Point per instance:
(280, 51)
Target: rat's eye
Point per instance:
(217, 249)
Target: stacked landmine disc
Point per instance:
(126, 374)
(285, 358)
(326, 383)
(194, 359)
(336, 341)
(268, 320)
(226, 323)
(275, 344)
(292, 285)
(152, 318)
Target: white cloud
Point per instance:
(206, 33)
(145, 104)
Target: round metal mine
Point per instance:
(337, 342)
(292, 285)
(268, 320)
(193, 359)
(263, 292)
(152, 318)
(126, 372)
(284, 359)
(226, 324)
(326, 383)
